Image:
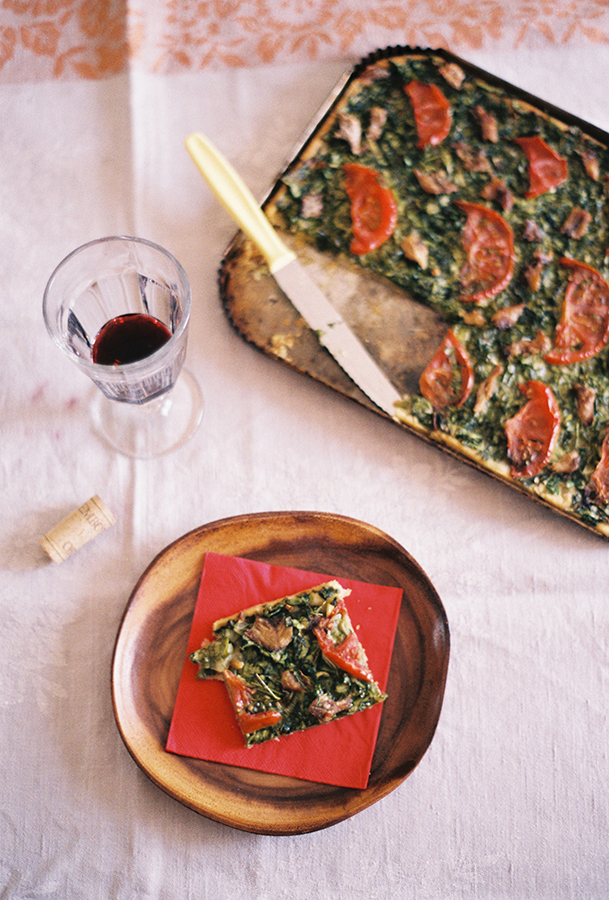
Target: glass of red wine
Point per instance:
(119, 307)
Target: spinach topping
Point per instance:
(439, 222)
(263, 670)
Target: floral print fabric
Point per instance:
(44, 39)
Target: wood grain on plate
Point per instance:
(151, 646)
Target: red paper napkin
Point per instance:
(204, 725)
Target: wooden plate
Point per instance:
(151, 646)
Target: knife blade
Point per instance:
(331, 329)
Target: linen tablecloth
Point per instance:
(510, 801)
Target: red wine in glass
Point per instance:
(128, 338)
(119, 308)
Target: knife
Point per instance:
(332, 331)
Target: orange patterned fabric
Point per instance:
(44, 39)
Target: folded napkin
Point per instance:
(204, 725)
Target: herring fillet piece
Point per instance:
(332, 331)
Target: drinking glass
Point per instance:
(146, 406)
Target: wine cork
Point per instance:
(77, 529)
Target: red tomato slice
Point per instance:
(599, 480)
(241, 694)
(489, 243)
(547, 170)
(532, 433)
(432, 113)
(249, 722)
(449, 377)
(584, 325)
(374, 212)
(348, 656)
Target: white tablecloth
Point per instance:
(510, 800)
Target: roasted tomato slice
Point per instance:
(432, 113)
(240, 693)
(547, 170)
(489, 243)
(242, 696)
(374, 212)
(348, 656)
(599, 480)
(249, 722)
(449, 377)
(532, 433)
(584, 325)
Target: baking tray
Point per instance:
(265, 318)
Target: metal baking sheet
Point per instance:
(373, 307)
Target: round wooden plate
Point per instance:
(151, 646)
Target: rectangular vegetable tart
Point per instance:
(492, 210)
(290, 664)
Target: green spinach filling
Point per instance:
(440, 222)
(263, 669)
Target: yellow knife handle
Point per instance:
(239, 202)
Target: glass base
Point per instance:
(154, 428)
